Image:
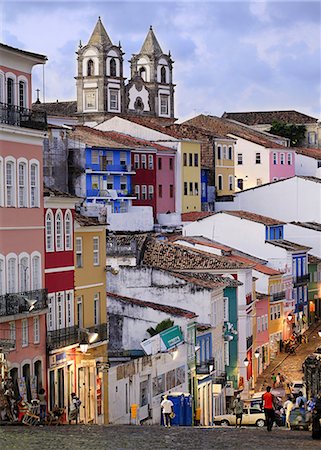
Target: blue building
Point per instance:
(109, 177)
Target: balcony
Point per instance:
(22, 117)
(112, 194)
(11, 304)
(73, 335)
(249, 342)
(112, 168)
(278, 296)
(301, 280)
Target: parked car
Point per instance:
(251, 416)
(297, 386)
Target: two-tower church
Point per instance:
(101, 86)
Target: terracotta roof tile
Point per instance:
(287, 245)
(314, 259)
(267, 117)
(169, 256)
(194, 215)
(310, 225)
(57, 108)
(314, 153)
(253, 217)
(157, 306)
(226, 127)
(85, 221)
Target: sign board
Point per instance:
(164, 341)
(7, 345)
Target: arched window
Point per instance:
(22, 179)
(36, 277)
(163, 75)
(68, 231)
(24, 281)
(142, 73)
(34, 185)
(49, 231)
(59, 231)
(12, 274)
(10, 184)
(90, 68)
(22, 94)
(10, 91)
(112, 67)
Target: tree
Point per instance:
(161, 326)
(296, 133)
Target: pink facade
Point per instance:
(165, 177)
(282, 164)
(23, 300)
(262, 312)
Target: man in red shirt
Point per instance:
(268, 402)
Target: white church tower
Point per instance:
(150, 91)
(100, 81)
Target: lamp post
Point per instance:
(246, 362)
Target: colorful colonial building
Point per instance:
(23, 299)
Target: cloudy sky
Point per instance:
(229, 56)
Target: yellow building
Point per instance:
(224, 167)
(191, 176)
(91, 319)
(276, 315)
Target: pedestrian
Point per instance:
(74, 408)
(238, 407)
(288, 389)
(301, 401)
(273, 378)
(42, 404)
(288, 406)
(268, 404)
(167, 409)
(278, 380)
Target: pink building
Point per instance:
(262, 331)
(23, 301)
(282, 163)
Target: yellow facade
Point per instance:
(191, 176)
(224, 167)
(91, 315)
(276, 315)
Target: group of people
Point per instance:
(277, 380)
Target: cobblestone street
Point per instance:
(152, 438)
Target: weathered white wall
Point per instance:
(304, 236)
(305, 165)
(142, 369)
(136, 321)
(138, 218)
(293, 199)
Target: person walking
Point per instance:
(167, 409)
(42, 404)
(273, 379)
(301, 401)
(268, 404)
(74, 408)
(288, 406)
(238, 407)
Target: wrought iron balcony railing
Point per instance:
(302, 279)
(73, 335)
(22, 117)
(21, 302)
(278, 296)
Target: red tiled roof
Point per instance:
(116, 139)
(253, 217)
(314, 153)
(267, 117)
(194, 215)
(314, 259)
(85, 221)
(226, 127)
(157, 306)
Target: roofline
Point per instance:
(35, 56)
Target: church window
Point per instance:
(112, 67)
(142, 73)
(90, 68)
(22, 94)
(113, 99)
(164, 104)
(90, 100)
(163, 75)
